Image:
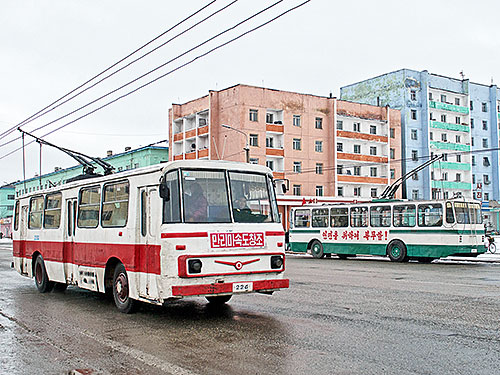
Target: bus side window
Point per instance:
(36, 213)
(404, 215)
(302, 218)
(359, 216)
(380, 216)
(339, 217)
(450, 218)
(52, 212)
(89, 207)
(430, 215)
(115, 205)
(320, 217)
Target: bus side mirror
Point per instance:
(164, 191)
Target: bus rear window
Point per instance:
(301, 218)
(339, 217)
(359, 217)
(36, 213)
(320, 217)
(404, 215)
(430, 215)
(380, 216)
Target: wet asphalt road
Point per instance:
(339, 317)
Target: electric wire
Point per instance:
(151, 71)
(175, 69)
(31, 118)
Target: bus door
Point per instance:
(23, 228)
(149, 208)
(69, 239)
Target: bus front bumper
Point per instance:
(261, 286)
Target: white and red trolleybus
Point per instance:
(185, 228)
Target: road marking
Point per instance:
(139, 355)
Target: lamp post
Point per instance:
(246, 148)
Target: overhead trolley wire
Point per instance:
(159, 67)
(39, 113)
(173, 70)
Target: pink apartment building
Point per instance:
(328, 149)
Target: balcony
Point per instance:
(190, 155)
(178, 137)
(364, 136)
(451, 185)
(449, 107)
(448, 126)
(279, 175)
(456, 166)
(190, 133)
(275, 128)
(203, 153)
(203, 130)
(360, 157)
(178, 157)
(362, 179)
(449, 146)
(275, 152)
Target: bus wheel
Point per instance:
(123, 302)
(397, 251)
(218, 300)
(42, 282)
(317, 249)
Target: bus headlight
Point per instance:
(194, 266)
(276, 261)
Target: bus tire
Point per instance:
(121, 294)
(317, 249)
(492, 248)
(42, 282)
(218, 300)
(397, 251)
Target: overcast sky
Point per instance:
(49, 47)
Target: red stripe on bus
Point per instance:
(135, 257)
(184, 235)
(275, 233)
(207, 289)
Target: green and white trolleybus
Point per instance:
(401, 230)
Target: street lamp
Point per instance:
(246, 148)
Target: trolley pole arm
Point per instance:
(390, 190)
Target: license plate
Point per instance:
(242, 287)
(473, 251)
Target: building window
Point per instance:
(473, 178)
(414, 176)
(458, 120)
(296, 120)
(296, 189)
(254, 140)
(443, 118)
(443, 98)
(270, 164)
(357, 171)
(444, 137)
(269, 142)
(269, 118)
(458, 177)
(472, 141)
(486, 196)
(392, 153)
(486, 161)
(431, 116)
(414, 134)
(340, 191)
(431, 136)
(254, 160)
(296, 144)
(485, 142)
(413, 114)
(430, 96)
(297, 166)
(340, 125)
(457, 101)
(458, 139)
(356, 126)
(484, 107)
(472, 123)
(357, 149)
(471, 105)
(373, 129)
(392, 133)
(318, 146)
(444, 176)
(373, 150)
(473, 160)
(318, 123)
(373, 192)
(414, 194)
(340, 169)
(340, 146)
(357, 191)
(485, 125)
(486, 179)
(319, 168)
(319, 191)
(414, 155)
(459, 158)
(393, 173)
(373, 172)
(253, 115)
(413, 95)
